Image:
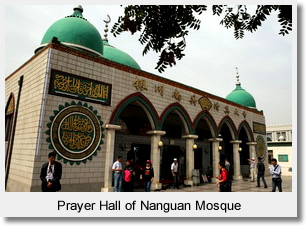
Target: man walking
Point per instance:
(117, 169)
(261, 173)
(174, 170)
(276, 172)
(50, 174)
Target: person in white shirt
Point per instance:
(117, 169)
(252, 168)
(276, 172)
(174, 170)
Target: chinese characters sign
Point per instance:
(64, 84)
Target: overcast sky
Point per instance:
(263, 58)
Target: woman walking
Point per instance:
(224, 183)
(147, 176)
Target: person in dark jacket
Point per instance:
(261, 173)
(147, 176)
(51, 174)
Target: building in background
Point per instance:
(279, 139)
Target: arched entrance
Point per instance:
(132, 141)
(205, 128)
(176, 123)
(244, 153)
(227, 133)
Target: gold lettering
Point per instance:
(77, 86)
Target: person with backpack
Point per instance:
(128, 178)
(147, 176)
(261, 173)
(276, 172)
(224, 182)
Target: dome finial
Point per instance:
(79, 7)
(237, 76)
(106, 27)
(78, 10)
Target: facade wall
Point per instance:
(23, 153)
(90, 176)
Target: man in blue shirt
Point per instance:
(276, 172)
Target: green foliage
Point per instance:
(164, 28)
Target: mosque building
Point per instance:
(90, 102)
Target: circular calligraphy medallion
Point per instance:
(75, 132)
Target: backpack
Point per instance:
(127, 175)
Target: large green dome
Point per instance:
(114, 54)
(242, 97)
(75, 31)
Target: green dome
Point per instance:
(75, 31)
(113, 54)
(242, 97)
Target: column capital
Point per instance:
(215, 139)
(251, 143)
(190, 136)
(156, 132)
(112, 127)
(235, 141)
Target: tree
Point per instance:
(164, 28)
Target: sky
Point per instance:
(263, 58)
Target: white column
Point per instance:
(252, 151)
(236, 155)
(109, 156)
(189, 157)
(155, 157)
(216, 157)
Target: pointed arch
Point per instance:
(244, 124)
(182, 113)
(9, 121)
(140, 100)
(229, 122)
(210, 121)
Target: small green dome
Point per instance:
(116, 55)
(242, 97)
(75, 31)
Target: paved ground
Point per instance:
(237, 186)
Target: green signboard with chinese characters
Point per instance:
(283, 158)
(75, 132)
(68, 85)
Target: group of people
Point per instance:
(125, 177)
(225, 179)
(51, 173)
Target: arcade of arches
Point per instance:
(136, 133)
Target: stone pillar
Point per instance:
(109, 156)
(155, 157)
(252, 149)
(252, 152)
(189, 158)
(236, 155)
(216, 157)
